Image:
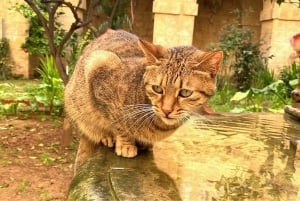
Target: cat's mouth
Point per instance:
(169, 120)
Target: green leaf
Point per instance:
(294, 82)
(238, 96)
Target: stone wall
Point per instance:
(272, 24)
(208, 21)
(212, 18)
(278, 25)
(14, 27)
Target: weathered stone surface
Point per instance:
(109, 177)
(254, 156)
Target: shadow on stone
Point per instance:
(106, 176)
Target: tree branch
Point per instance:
(38, 13)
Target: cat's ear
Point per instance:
(152, 52)
(210, 62)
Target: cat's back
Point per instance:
(122, 43)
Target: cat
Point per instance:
(128, 93)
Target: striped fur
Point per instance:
(125, 91)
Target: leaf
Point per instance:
(238, 96)
(237, 110)
(294, 82)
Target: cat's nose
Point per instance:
(167, 111)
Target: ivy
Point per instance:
(5, 68)
(36, 41)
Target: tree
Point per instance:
(48, 16)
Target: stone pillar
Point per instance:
(278, 25)
(174, 22)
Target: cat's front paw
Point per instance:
(107, 141)
(128, 151)
(125, 147)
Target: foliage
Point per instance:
(47, 37)
(221, 100)
(269, 98)
(5, 67)
(237, 42)
(36, 41)
(76, 49)
(117, 15)
(50, 91)
(243, 67)
(272, 96)
(289, 73)
(46, 95)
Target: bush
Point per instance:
(289, 73)
(5, 68)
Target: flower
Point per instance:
(295, 42)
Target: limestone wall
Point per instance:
(272, 24)
(212, 18)
(279, 24)
(208, 21)
(14, 27)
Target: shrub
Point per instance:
(5, 68)
(50, 91)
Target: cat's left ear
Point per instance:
(210, 62)
(152, 52)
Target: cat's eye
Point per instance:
(157, 89)
(185, 93)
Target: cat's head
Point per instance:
(179, 81)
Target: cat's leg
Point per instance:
(85, 149)
(125, 147)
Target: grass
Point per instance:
(16, 88)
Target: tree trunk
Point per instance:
(61, 69)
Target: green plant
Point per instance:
(269, 98)
(289, 73)
(221, 100)
(36, 41)
(76, 48)
(241, 54)
(5, 67)
(45, 158)
(23, 185)
(25, 97)
(118, 15)
(50, 91)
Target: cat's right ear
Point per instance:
(152, 52)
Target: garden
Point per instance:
(37, 163)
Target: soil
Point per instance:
(33, 163)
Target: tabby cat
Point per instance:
(127, 93)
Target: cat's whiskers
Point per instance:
(184, 117)
(199, 118)
(141, 120)
(146, 123)
(132, 111)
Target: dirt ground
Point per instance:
(33, 164)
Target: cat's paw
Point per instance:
(107, 141)
(128, 151)
(125, 147)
